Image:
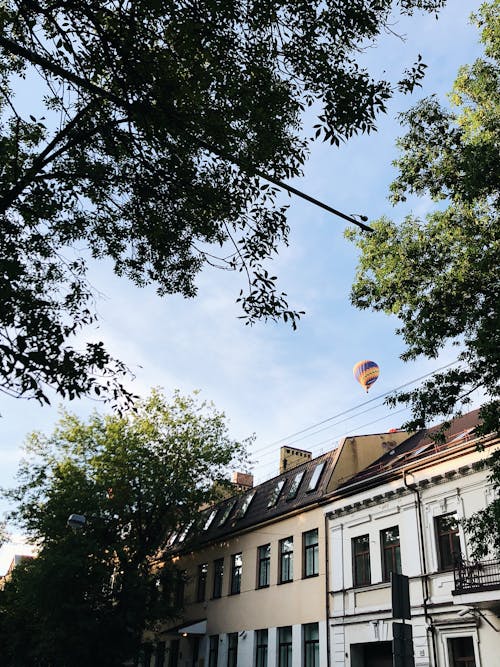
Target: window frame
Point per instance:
(395, 554)
(236, 572)
(287, 645)
(218, 578)
(460, 661)
(213, 650)
(363, 558)
(308, 643)
(261, 647)
(285, 557)
(451, 537)
(294, 487)
(264, 562)
(232, 649)
(306, 548)
(201, 583)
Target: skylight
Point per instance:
(275, 493)
(182, 536)
(226, 512)
(245, 504)
(294, 486)
(313, 484)
(209, 520)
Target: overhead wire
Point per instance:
(286, 439)
(306, 433)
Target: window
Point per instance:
(310, 635)
(236, 565)
(179, 585)
(310, 564)
(261, 640)
(294, 486)
(285, 646)
(286, 560)
(391, 552)
(201, 587)
(361, 560)
(313, 484)
(184, 533)
(218, 575)
(226, 512)
(209, 520)
(213, 653)
(461, 652)
(448, 540)
(275, 493)
(232, 649)
(245, 504)
(263, 565)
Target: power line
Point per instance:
(354, 408)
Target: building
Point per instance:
(403, 514)
(255, 590)
(296, 572)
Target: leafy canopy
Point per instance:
(136, 478)
(440, 276)
(154, 121)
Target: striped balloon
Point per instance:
(366, 373)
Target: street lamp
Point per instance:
(76, 522)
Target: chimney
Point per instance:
(291, 458)
(242, 481)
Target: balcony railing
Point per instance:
(473, 577)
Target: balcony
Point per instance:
(477, 584)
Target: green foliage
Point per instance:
(136, 478)
(158, 118)
(440, 276)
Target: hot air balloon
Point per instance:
(366, 373)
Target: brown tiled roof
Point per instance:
(420, 446)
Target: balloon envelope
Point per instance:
(366, 373)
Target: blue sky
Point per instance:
(270, 380)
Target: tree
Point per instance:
(136, 478)
(157, 124)
(440, 275)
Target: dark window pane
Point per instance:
(311, 553)
(236, 567)
(294, 486)
(218, 576)
(461, 652)
(202, 582)
(232, 649)
(361, 560)
(285, 647)
(311, 645)
(261, 641)
(263, 565)
(391, 552)
(286, 560)
(448, 541)
(213, 654)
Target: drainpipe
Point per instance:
(423, 562)
(327, 592)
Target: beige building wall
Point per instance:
(298, 602)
